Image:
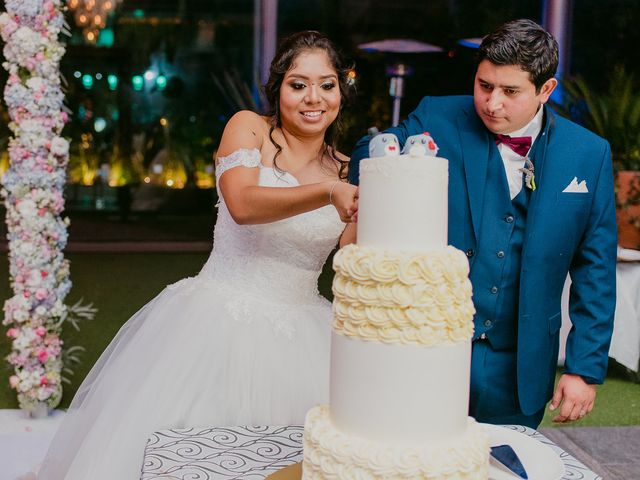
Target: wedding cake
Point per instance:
(401, 340)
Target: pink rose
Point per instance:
(44, 381)
(10, 28)
(19, 360)
(14, 381)
(43, 356)
(41, 293)
(13, 333)
(41, 331)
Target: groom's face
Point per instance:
(505, 97)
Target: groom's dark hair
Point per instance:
(523, 43)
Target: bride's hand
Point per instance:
(344, 197)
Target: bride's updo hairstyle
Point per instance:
(284, 59)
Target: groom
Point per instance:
(530, 200)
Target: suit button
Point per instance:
(500, 254)
(488, 323)
(508, 219)
(494, 289)
(470, 252)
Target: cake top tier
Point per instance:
(403, 195)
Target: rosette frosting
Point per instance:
(403, 297)
(331, 454)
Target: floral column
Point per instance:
(33, 198)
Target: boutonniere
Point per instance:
(529, 177)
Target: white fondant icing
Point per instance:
(403, 202)
(399, 393)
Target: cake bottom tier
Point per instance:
(332, 454)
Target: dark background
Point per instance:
(205, 49)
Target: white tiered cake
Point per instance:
(401, 342)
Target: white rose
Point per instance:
(5, 19)
(35, 83)
(27, 8)
(58, 309)
(29, 40)
(20, 316)
(24, 340)
(25, 248)
(59, 146)
(34, 279)
(27, 208)
(7, 25)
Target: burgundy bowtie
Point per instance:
(520, 145)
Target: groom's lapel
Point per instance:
(474, 143)
(539, 158)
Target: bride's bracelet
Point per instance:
(331, 191)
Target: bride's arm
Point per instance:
(349, 235)
(249, 203)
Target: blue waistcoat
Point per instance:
(495, 270)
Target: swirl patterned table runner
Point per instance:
(253, 453)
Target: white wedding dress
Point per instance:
(245, 342)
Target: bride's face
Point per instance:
(310, 94)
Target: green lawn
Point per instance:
(617, 404)
(119, 284)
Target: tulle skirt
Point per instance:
(199, 354)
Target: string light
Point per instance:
(91, 15)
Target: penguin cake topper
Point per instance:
(384, 145)
(420, 145)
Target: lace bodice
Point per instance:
(280, 260)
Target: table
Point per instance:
(625, 342)
(253, 453)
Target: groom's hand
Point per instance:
(353, 211)
(344, 197)
(575, 398)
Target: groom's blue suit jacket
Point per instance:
(565, 233)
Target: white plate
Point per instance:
(538, 459)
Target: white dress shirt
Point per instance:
(514, 162)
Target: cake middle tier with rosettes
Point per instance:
(418, 298)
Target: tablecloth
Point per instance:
(253, 453)
(625, 342)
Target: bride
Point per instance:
(246, 341)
